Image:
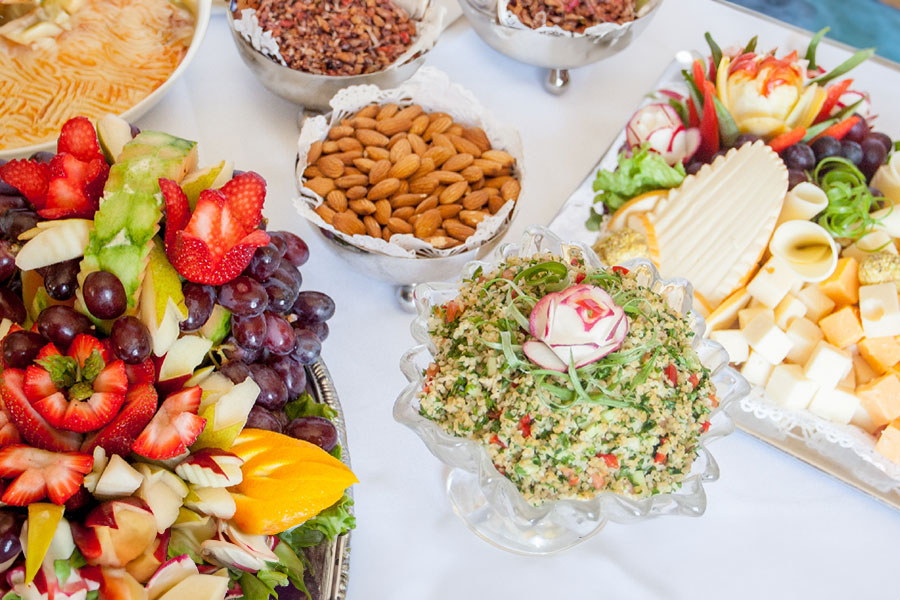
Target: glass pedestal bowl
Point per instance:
(488, 502)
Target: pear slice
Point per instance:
(65, 240)
(212, 177)
(113, 133)
(162, 302)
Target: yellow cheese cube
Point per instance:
(756, 369)
(881, 398)
(745, 315)
(848, 382)
(842, 327)
(843, 285)
(817, 304)
(804, 335)
(881, 353)
(772, 282)
(862, 370)
(788, 309)
(889, 442)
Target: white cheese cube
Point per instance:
(877, 241)
(817, 303)
(798, 285)
(879, 309)
(754, 303)
(862, 420)
(848, 383)
(788, 309)
(734, 342)
(765, 338)
(804, 335)
(745, 315)
(835, 405)
(757, 369)
(827, 365)
(788, 387)
(772, 282)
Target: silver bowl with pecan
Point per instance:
(530, 32)
(306, 58)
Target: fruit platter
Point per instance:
(167, 427)
(762, 177)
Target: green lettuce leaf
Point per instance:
(642, 172)
(327, 525)
(306, 406)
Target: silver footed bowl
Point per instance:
(488, 502)
(545, 49)
(313, 91)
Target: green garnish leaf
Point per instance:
(92, 366)
(11, 595)
(845, 67)
(813, 45)
(642, 172)
(849, 198)
(63, 369)
(306, 406)
(254, 588)
(333, 521)
(751, 45)
(728, 129)
(714, 49)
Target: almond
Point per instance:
(336, 200)
(372, 227)
(386, 234)
(393, 125)
(349, 143)
(475, 200)
(442, 242)
(379, 171)
(425, 167)
(410, 112)
(347, 222)
(376, 153)
(330, 147)
(458, 162)
(370, 137)
(311, 172)
(404, 213)
(348, 157)
(357, 192)
(401, 200)
(320, 185)
(439, 154)
(348, 181)
(439, 139)
(490, 168)
(438, 124)
(400, 149)
(424, 185)
(497, 182)
(363, 123)
(315, 151)
(352, 171)
(396, 138)
(368, 112)
(427, 204)
(472, 217)
(382, 211)
(454, 192)
(495, 203)
(326, 213)
(504, 158)
(427, 223)
(339, 131)
(331, 166)
(399, 225)
(457, 230)
(387, 111)
(510, 190)
(464, 146)
(455, 129)
(419, 125)
(438, 115)
(406, 166)
(364, 164)
(384, 189)
(362, 206)
(449, 177)
(448, 211)
(477, 136)
(472, 174)
(404, 187)
(417, 144)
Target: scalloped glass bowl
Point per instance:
(487, 501)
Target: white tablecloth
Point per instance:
(774, 527)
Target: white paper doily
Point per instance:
(509, 19)
(433, 90)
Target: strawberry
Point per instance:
(83, 345)
(246, 193)
(39, 473)
(113, 379)
(38, 383)
(30, 177)
(66, 191)
(78, 138)
(178, 209)
(119, 435)
(33, 428)
(144, 372)
(8, 433)
(173, 428)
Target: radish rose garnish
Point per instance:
(660, 126)
(578, 325)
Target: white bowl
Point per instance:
(139, 109)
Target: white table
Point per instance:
(774, 527)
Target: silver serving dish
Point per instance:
(313, 91)
(554, 52)
(330, 560)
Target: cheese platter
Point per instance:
(776, 275)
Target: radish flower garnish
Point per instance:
(659, 126)
(576, 326)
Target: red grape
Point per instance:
(314, 306)
(130, 340)
(235, 370)
(273, 394)
(60, 324)
(249, 332)
(61, 279)
(281, 297)
(296, 250)
(104, 295)
(199, 299)
(264, 262)
(243, 296)
(11, 306)
(17, 221)
(263, 418)
(279, 335)
(8, 262)
(315, 430)
(21, 347)
(292, 373)
(307, 346)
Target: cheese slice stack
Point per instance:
(714, 229)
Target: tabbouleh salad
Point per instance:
(628, 423)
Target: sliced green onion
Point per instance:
(846, 66)
(849, 199)
(713, 49)
(813, 45)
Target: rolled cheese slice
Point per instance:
(803, 202)
(887, 179)
(806, 248)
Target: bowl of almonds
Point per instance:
(411, 182)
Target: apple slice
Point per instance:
(144, 566)
(183, 356)
(211, 467)
(214, 386)
(117, 584)
(226, 417)
(215, 502)
(118, 479)
(200, 375)
(198, 587)
(226, 554)
(218, 325)
(169, 574)
(100, 462)
(163, 491)
(115, 532)
(113, 133)
(55, 242)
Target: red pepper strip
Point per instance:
(699, 75)
(834, 95)
(620, 270)
(660, 458)
(839, 130)
(790, 138)
(712, 70)
(610, 459)
(709, 126)
(525, 426)
(693, 118)
(704, 427)
(579, 278)
(694, 380)
(672, 374)
(496, 440)
(452, 311)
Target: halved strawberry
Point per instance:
(30, 177)
(173, 428)
(32, 426)
(53, 408)
(38, 383)
(193, 260)
(84, 345)
(39, 473)
(178, 210)
(8, 432)
(78, 138)
(246, 194)
(113, 379)
(122, 431)
(144, 372)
